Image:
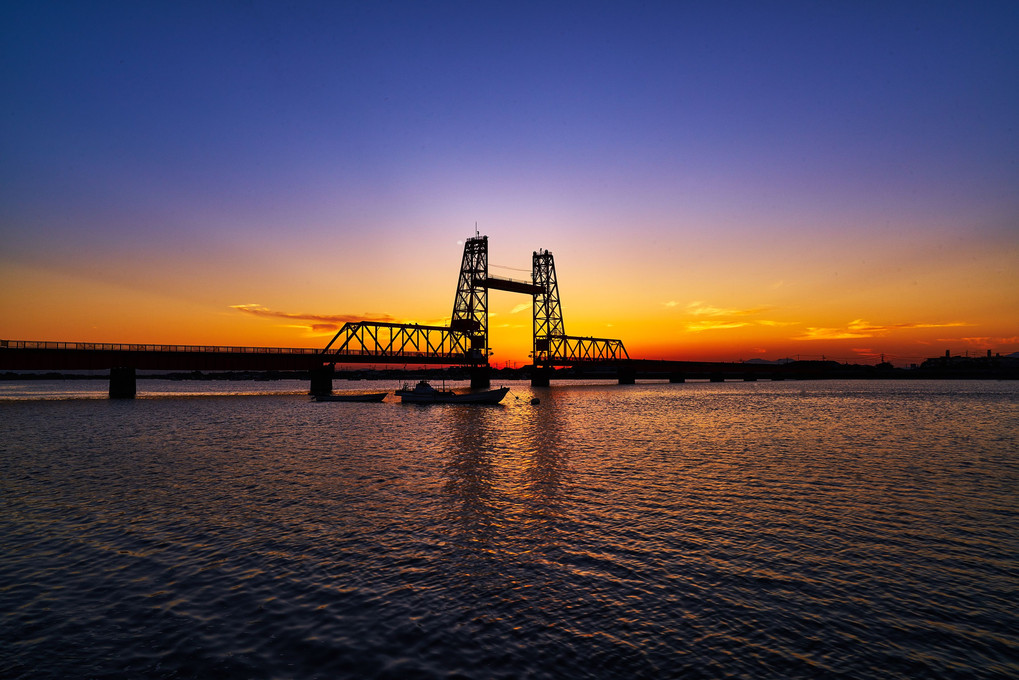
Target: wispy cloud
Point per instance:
(713, 318)
(521, 307)
(863, 326)
(814, 333)
(858, 328)
(699, 326)
(985, 342)
(699, 308)
(671, 303)
(317, 323)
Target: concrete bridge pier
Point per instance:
(677, 377)
(481, 377)
(541, 376)
(123, 384)
(321, 380)
(627, 375)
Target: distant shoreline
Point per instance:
(812, 370)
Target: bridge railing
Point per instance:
(457, 351)
(131, 347)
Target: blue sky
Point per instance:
(142, 137)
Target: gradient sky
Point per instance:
(716, 180)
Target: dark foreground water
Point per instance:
(758, 530)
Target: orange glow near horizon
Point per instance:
(774, 323)
(739, 186)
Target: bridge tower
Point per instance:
(470, 307)
(548, 313)
(552, 347)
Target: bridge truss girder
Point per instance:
(569, 350)
(405, 343)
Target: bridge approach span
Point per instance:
(123, 360)
(24, 355)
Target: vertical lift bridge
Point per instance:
(465, 340)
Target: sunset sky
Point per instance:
(725, 181)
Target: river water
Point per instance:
(699, 530)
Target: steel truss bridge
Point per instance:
(466, 341)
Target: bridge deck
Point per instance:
(32, 355)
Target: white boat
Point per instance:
(423, 393)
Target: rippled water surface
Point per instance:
(700, 530)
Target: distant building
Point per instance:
(983, 366)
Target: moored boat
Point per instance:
(423, 393)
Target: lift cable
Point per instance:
(515, 269)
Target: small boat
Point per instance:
(423, 393)
(375, 397)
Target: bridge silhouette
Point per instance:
(464, 342)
